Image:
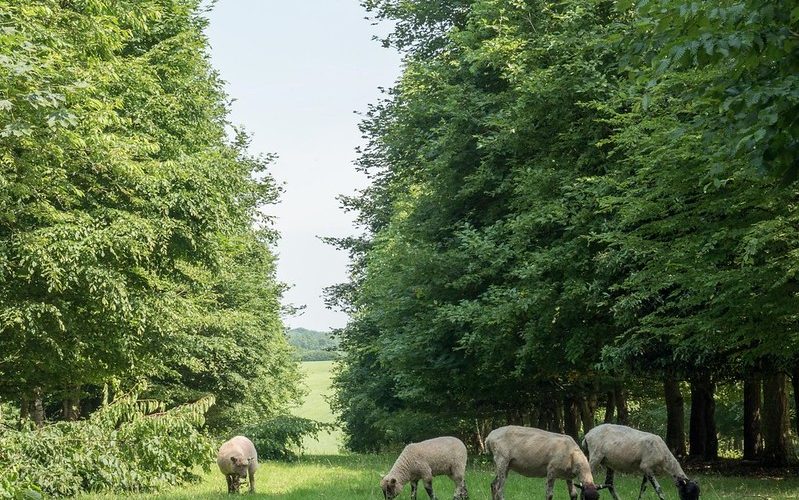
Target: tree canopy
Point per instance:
(571, 201)
(132, 241)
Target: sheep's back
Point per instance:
(444, 455)
(625, 449)
(239, 447)
(530, 451)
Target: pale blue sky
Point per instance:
(297, 70)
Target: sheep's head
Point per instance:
(391, 487)
(589, 491)
(687, 489)
(241, 465)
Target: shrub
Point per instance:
(281, 437)
(128, 445)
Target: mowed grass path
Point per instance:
(354, 477)
(316, 407)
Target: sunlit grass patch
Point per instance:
(356, 477)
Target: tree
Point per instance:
(129, 219)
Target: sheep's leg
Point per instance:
(657, 487)
(609, 484)
(460, 487)
(428, 486)
(461, 493)
(251, 477)
(550, 486)
(643, 487)
(414, 486)
(498, 484)
(572, 489)
(229, 480)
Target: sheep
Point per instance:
(441, 456)
(624, 449)
(538, 453)
(236, 459)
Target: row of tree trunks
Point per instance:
(675, 416)
(32, 407)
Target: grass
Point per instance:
(326, 474)
(316, 407)
(354, 477)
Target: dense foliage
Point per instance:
(133, 245)
(281, 437)
(576, 206)
(130, 444)
(312, 345)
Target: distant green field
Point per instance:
(316, 407)
(356, 477)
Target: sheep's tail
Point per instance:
(584, 446)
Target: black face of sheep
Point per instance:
(688, 489)
(589, 492)
(391, 489)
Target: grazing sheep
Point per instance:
(624, 449)
(236, 459)
(537, 453)
(442, 456)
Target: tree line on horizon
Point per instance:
(580, 211)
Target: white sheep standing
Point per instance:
(442, 456)
(237, 459)
(624, 449)
(537, 453)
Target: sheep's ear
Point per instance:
(393, 480)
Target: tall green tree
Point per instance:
(126, 234)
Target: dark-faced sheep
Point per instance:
(538, 453)
(237, 459)
(624, 449)
(443, 456)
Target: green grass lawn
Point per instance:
(316, 407)
(353, 477)
(326, 474)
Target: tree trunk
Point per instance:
(704, 441)
(71, 405)
(38, 408)
(571, 412)
(24, 408)
(610, 407)
(795, 381)
(753, 439)
(557, 418)
(587, 412)
(776, 420)
(478, 435)
(675, 416)
(620, 396)
(534, 417)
